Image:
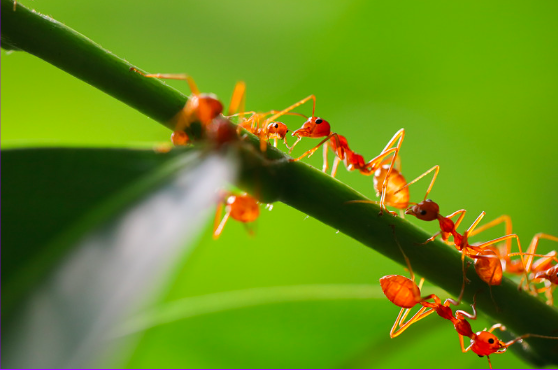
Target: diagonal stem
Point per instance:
(279, 179)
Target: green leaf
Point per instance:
(138, 204)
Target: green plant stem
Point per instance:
(74, 53)
(276, 178)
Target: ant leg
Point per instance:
(288, 109)
(296, 142)
(431, 238)
(285, 141)
(549, 295)
(463, 349)
(218, 226)
(309, 153)
(170, 76)
(496, 326)
(475, 223)
(465, 280)
(399, 135)
(460, 313)
(238, 99)
(379, 160)
(533, 248)
(461, 214)
(502, 219)
(219, 230)
(436, 168)
(325, 167)
(421, 314)
(275, 142)
(336, 162)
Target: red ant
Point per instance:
(266, 131)
(241, 207)
(317, 127)
(404, 293)
(314, 127)
(200, 107)
(428, 210)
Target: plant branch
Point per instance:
(276, 178)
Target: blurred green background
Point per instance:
(473, 84)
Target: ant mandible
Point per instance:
(241, 207)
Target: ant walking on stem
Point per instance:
(428, 210)
(404, 293)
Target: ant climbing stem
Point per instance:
(404, 293)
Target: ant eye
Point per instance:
(423, 212)
(479, 355)
(276, 125)
(319, 120)
(491, 341)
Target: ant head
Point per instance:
(277, 130)
(314, 127)
(427, 210)
(180, 138)
(485, 344)
(205, 106)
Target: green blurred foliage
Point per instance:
(473, 84)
